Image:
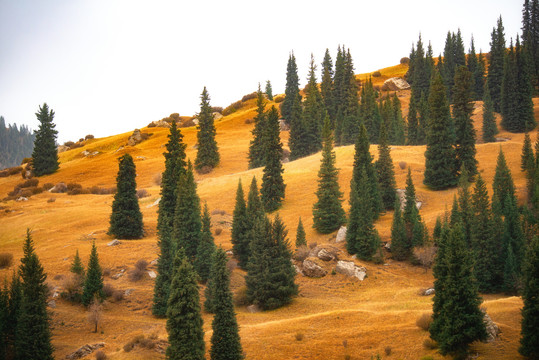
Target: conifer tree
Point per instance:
(291, 90)
(437, 231)
(423, 120)
(370, 113)
(396, 132)
(465, 207)
(14, 310)
(440, 171)
(254, 212)
(206, 248)
(33, 334)
(415, 231)
(502, 184)
(269, 91)
(449, 64)
(241, 228)
(300, 235)
(509, 94)
(76, 266)
(489, 122)
(524, 89)
(527, 158)
(298, 131)
(4, 313)
(473, 67)
(400, 245)
(496, 64)
(457, 318)
(187, 222)
(412, 125)
(386, 173)
(328, 214)
(530, 36)
(462, 114)
(208, 151)
(93, 283)
(480, 77)
(326, 86)
(126, 218)
(348, 113)
(45, 154)
(513, 244)
(421, 75)
(529, 341)
(225, 339)
(256, 147)
(273, 186)
(161, 290)
(314, 112)
(184, 323)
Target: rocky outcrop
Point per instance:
(283, 126)
(114, 242)
(312, 269)
(84, 351)
(492, 329)
(401, 193)
(341, 235)
(394, 84)
(349, 268)
(325, 255)
(217, 115)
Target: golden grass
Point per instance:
(370, 315)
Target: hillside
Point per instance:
(335, 315)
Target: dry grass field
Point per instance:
(332, 318)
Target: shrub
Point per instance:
(59, 188)
(278, 98)
(142, 193)
(108, 290)
(424, 321)
(48, 186)
(301, 253)
(137, 272)
(405, 60)
(14, 170)
(216, 212)
(129, 346)
(232, 108)
(218, 231)
(106, 272)
(72, 285)
(141, 264)
(376, 74)
(100, 355)
(299, 336)
(6, 259)
(25, 193)
(71, 186)
(157, 179)
(430, 345)
(69, 144)
(187, 123)
(250, 96)
(313, 245)
(117, 295)
(29, 183)
(51, 200)
(218, 109)
(347, 357)
(36, 190)
(387, 350)
(402, 164)
(231, 264)
(88, 137)
(240, 297)
(205, 170)
(248, 121)
(4, 173)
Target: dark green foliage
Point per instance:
(513, 244)
(396, 126)
(205, 249)
(400, 246)
(184, 323)
(473, 65)
(415, 231)
(527, 159)
(314, 112)
(489, 121)
(529, 341)
(161, 289)
(328, 214)
(412, 125)
(466, 211)
(270, 274)
(361, 236)
(386, 172)
(241, 229)
(524, 89)
(76, 265)
(502, 184)
(457, 319)
(298, 131)
(509, 94)
(225, 339)
(423, 120)
(291, 90)
(187, 222)
(496, 64)
(300, 235)
(208, 152)
(369, 112)
(530, 37)
(269, 91)
(421, 75)
(440, 161)
(4, 314)
(14, 310)
(437, 231)
(16, 143)
(462, 114)
(93, 283)
(326, 86)
(45, 154)
(126, 218)
(345, 99)
(33, 335)
(273, 186)
(256, 147)
(449, 63)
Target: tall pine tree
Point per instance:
(300, 235)
(206, 248)
(291, 90)
(529, 341)
(273, 186)
(45, 154)
(490, 129)
(386, 173)
(314, 112)
(241, 229)
(326, 86)
(208, 151)
(496, 64)
(93, 284)
(256, 147)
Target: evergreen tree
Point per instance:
(396, 129)
(33, 334)
(314, 112)
(254, 212)
(126, 218)
(513, 244)
(300, 235)
(473, 67)
(509, 94)
(449, 64)
(328, 214)
(370, 113)
(386, 173)
(206, 248)
(187, 222)
(76, 266)
(530, 36)
(4, 314)
(437, 231)
(423, 120)
(256, 147)
(45, 154)
(225, 339)
(161, 290)
(466, 211)
(502, 184)
(326, 86)
(269, 91)
(496, 64)
(291, 90)
(400, 246)
(348, 109)
(273, 186)
(298, 131)
(412, 125)
(16, 143)
(184, 323)
(93, 283)
(361, 236)
(529, 341)
(421, 75)
(14, 310)
(415, 231)
(489, 121)
(462, 114)
(440, 171)
(208, 151)
(524, 89)
(241, 229)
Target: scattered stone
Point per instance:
(55, 295)
(314, 252)
(492, 329)
(52, 304)
(119, 149)
(387, 246)
(401, 193)
(84, 350)
(195, 121)
(394, 84)
(283, 126)
(114, 242)
(22, 198)
(349, 268)
(155, 203)
(118, 275)
(61, 187)
(312, 269)
(501, 139)
(159, 123)
(128, 292)
(152, 274)
(325, 255)
(141, 157)
(153, 262)
(253, 309)
(229, 253)
(135, 138)
(298, 269)
(217, 115)
(429, 292)
(85, 153)
(341, 235)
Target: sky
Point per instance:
(109, 66)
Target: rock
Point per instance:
(62, 148)
(429, 292)
(401, 193)
(159, 123)
(52, 304)
(128, 292)
(153, 262)
(141, 157)
(312, 269)
(55, 295)
(341, 235)
(501, 139)
(135, 138)
(22, 198)
(119, 149)
(387, 246)
(84, 350)
(283, 126)
(298, 270)
(349, 268)
(325, 255)
(117, 276)
(253, 309)
(492, 329)
(195, 121)
(155, 203)
(152, 274)
(314, 252)
(85, 153)
(217, 115)
(394, 84)
(114, 242)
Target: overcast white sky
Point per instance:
(108, 66)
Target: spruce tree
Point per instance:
(412, 125)
(33, 334)
(524, 88)
(530, 37)
(328, 214)
(496, 64)
(273, 186)
(187, 222)
(465, 207)
(14, 310)
(509, 105)
(480, 77)
(241, 229)
(396, 129)
(225, 339)
(208, 151)
(206, 248)
(437, 231)
(502, 184)
(464, 129)
(440, 171)
(473, 67)
(184, 322)
(93, 283)
(349, 113)
(300, 235)
(326, 86)
(386, 172)
(269, 91)
(513, 244)
(400, 245)
(529, 341)
(126, 218)
(254, 212)
(423, 120)
(291, 90)
(298, 131)
(370, 113)
(489, 121)
(449, 64)
(415, 231)
(457, 318)
(161, 290)
(45, 154)
(421, 75)
(314, 112)
(527, 158)
(257, 146)
(4, 314)
(76, 266)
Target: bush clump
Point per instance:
(100, 355)
(142, 193)
(88, 137)
(29, 183)
(248, 97)
(138, 270)
(218, 109)
(405, 60)
(430, 344)
(424, 321)
(301, 253)
(61, 187)
(376, 74)
(232, 108)
(6, 259)
(278, 98)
